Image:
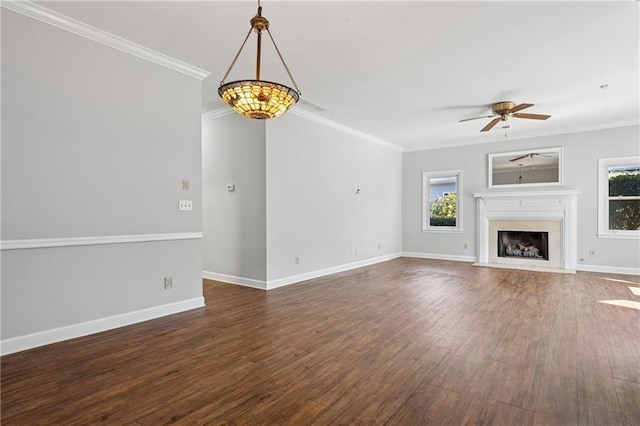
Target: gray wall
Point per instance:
(304, 207)
(313, 212)
(95, 143)
(234, 223)
(581, 154)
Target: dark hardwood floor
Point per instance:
(409, 341)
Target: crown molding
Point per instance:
(344, 129)
(216, 113)
(221, 112)
(48, 16)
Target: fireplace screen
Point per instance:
(523, 244)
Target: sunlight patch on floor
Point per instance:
(624, 303)
(635, 290)
(620, 281)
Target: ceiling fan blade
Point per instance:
(532, 116)
(520, 158)
(477, 118)
(520, 107)
(490, 125)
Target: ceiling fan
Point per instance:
(529, 155)
(503, 110)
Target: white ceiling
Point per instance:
(407, 72)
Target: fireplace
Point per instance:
(523, 244)
(534, 230)
(527, 248)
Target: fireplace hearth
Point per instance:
(523, 244)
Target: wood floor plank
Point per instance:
(629, 400)
(430, 406)
(557, 400)
(521, 385)
(596, 392)
(408, 341)
(623, 358)
(561, 352)
(501, 414)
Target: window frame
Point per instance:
(603, 197)
(426, 189)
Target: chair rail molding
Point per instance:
(89, 241)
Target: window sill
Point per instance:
(443, 231)
(620, 235)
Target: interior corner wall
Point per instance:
(581, 153)
(313, 211)
(234, 222)
(95, 145)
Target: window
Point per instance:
(619, 197)
(441, 203)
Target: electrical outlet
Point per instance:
(168, 283)
(185, 205)
(297, 260)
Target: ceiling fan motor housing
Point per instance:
(503, 107)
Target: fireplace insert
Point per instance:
(523, 244)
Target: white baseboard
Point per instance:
(280, 282)
(437, 256)
(29, 341)
(231, 279)
(608, 269)
(585, 268)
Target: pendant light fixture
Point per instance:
(520, 179)
(257, 98)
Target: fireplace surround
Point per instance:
(551, 213)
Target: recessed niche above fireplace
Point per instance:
(533, 167)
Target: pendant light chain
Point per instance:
(236, 58)
(283, 62)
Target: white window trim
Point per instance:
(603, 197)
(425, 202)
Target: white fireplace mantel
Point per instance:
(549, 205)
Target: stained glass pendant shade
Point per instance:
(257, 98)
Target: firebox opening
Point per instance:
(523, 244)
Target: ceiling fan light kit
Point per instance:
(505, 109)
(259, 99)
